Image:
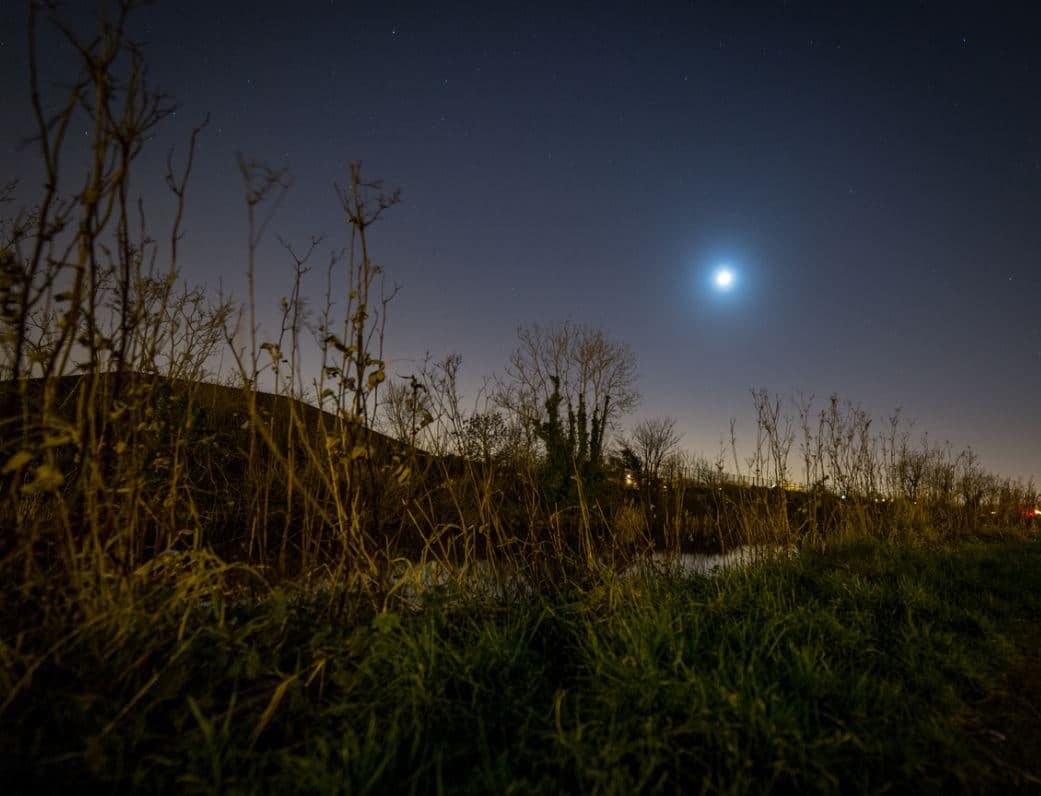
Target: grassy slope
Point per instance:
(861, 669)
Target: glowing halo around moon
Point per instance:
(723, 278)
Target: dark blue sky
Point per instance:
(874, 177)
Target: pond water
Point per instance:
(710, 564)
(481, 578)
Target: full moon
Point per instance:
(724, 278)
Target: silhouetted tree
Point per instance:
(652, 442)
(568, 383)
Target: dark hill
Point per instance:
(248, 474)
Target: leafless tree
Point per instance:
(774, 438)
(912, 466)
(591, 368)
(406, 409)
(485, 436)
(653, 441)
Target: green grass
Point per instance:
(862, 669)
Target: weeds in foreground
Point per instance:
(845, 671)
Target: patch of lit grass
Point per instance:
(854, 670)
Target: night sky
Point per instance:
(872, 177)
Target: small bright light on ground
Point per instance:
(724, 278)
